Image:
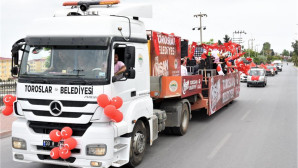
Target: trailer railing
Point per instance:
(7, 87)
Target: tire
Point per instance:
(138, 144)
(247, 85)
(182, 129)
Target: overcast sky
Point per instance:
(273, 21)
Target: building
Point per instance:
(37, 65)
(5, 66)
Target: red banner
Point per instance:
(191, 85)
(165, 55)
(223, 89)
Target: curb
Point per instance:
(5, 134)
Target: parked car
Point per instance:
(257, 77)
(243, 77)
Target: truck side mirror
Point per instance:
(129, 57)
(14, 70)
(130, 74)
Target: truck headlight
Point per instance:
(96, 150)
(19, 143)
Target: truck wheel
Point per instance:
(137, 144)
(183, 122)
(247, 85)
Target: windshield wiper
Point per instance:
(67, 75)
(81, 82)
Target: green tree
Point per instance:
(285, 53)
(48, 62)
(295, 53)
(266, 49)
(226, 38)
(211, 41)
(219, 42)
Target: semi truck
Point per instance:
(68, 60)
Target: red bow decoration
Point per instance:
(255, 78)
(69, 144)
(8, 100)
(111, 106)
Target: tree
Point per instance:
(211, 41)
(226, 38)
(266, 49)
(295, 53)
(285, 53)
(219, 42)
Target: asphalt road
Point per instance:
(259, 130)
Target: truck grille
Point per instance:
(46, 128)
(48, 157)
(63, 114)
(64, 102)
(49, 149)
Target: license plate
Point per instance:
(49, 143)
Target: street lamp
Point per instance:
(240, 38)
(200, 28)
(251, 45)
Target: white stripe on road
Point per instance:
(219, 146)
(245, 115)
(258, 101)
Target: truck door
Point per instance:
(123, 87)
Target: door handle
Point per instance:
(133, 94)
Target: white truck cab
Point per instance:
(278, 64)
(67, 61)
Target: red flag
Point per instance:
(192, 51)
(155, 43)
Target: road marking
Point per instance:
(258, 101)
(245, 115)
(219, 146)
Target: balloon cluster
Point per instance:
(8, 100)
(111, 107)
(229, 48)
(64, 151)
(242, 67)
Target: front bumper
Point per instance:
(256, 83)
(97, 133)
(243, 79)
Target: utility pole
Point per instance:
(201, 27)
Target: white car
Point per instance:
(243, 77)
(257, 77)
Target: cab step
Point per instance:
(119, 147)
(119, 163)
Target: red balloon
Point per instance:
(55, 153)
(118, 116)
(218, 68)
(8, 100)
(117, 102)
(70, 143)
(229, 64)
(110, 110)
(66, 132)
(7, 111)
(55, 135)
(64, 153)
(103, 100)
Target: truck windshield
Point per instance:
(65, 62)
(256, 73)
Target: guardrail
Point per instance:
(7, 87)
